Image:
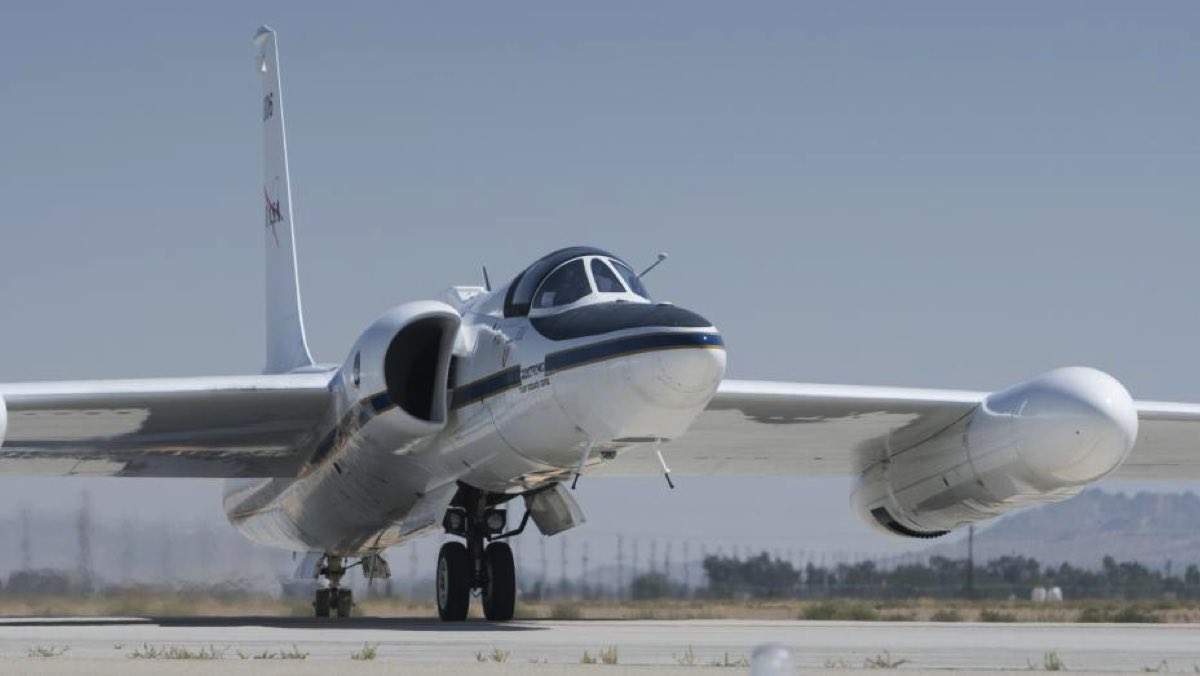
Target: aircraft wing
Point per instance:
(777, 428)
(241, 426)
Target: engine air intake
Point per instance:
(410, 368)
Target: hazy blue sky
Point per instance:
(941, 194)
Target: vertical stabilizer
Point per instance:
(287, 348)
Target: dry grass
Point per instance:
(47, 650)
(1050, 662)
(369, 652)
(293, 654)
(916, 610)
(493, 655)
(177, 652)
(883, 660)
(608, 655)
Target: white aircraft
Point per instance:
(445, 410)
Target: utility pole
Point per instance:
(583, 573)
(562, 573)
(620, 567)
(26, 546)
(687, 571)
(127, 557)
(542, 570)
(168, 555)
(971, 562)
(654, 556)
(84, 532)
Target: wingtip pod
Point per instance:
(1037, 442)
(1072, 426)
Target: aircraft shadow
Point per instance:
(353, 623)
(392, 623)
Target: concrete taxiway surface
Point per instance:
(105, 645)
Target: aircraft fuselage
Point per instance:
(526, 398)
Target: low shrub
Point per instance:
(989, 615)
(947, 615)
(840, 610)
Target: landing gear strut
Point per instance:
(483, 563)
(333, 599)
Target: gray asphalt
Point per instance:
(105, 645)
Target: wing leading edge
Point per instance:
(777, 428)
(240, 426)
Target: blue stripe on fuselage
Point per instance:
(485, 387)
(366, 409)
(617, 347)
(579, 356)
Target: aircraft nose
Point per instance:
(649, 385)
(679, 378)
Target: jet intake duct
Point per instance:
(1041, 441)
(401, 364)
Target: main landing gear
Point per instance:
(483, 563)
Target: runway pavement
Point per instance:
(108, 645)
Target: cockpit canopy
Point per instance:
(570, 278)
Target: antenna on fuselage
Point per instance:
(487, 282)
(662, 256)
(583, 458)
(662, 463)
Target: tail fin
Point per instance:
(287, 348)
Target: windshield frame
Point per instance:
(593, 296)
(619, 265)
(588, 289)
(519, 296)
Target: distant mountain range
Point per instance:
(1155, 528)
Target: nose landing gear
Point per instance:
(333, 599)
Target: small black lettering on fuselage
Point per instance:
(533, 377)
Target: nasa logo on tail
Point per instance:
(274, 215)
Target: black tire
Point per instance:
(500, 592)
(345, 602)
(322, 603)
(453, 582)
